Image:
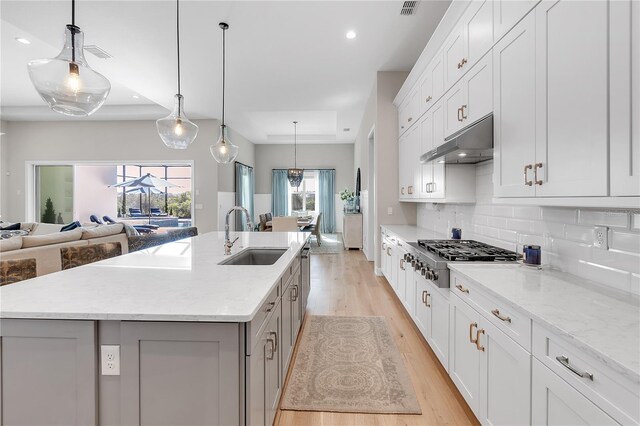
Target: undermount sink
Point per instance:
(257, 256)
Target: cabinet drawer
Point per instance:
(514, 324)
(615, 394)
(254, 328)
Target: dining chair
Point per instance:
(13, 271)
(72, 257)
(285, 224)
(315, 229)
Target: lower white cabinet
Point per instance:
(491, 371)
(555, 402)
(432, 317)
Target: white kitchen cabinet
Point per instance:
(437, 187)
(572, 59)
(478, 30)
(432, 317)
(507, 13)
(385, 259)
(402, 274)
(454, 56)
(271, 354)
(555, 402)
(514, 111)
(426, 138)
(624, 98)
(410, 290)
(432, 86)
(403, 111)
(464, 356)
(409, 111)
(505, 378)
(404, 159)
(478, 91)
(453, 101)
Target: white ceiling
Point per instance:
(286, 60)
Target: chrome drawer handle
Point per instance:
(270, 306)
(496, 313)
(273, 343)
(535, 173)
(527, 182)
(471, 327)
(459, 112)
(565, 362)
(464, 117)
(402, 264)
(428, 99)
(294, 293)
(478, 345)
(462, 289)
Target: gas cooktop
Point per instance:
(467, 251)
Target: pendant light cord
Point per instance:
(224, 30)
(295, 144)
(178, 40)
(73, 30)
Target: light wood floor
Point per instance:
(345, 284)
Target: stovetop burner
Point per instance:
(467, 250)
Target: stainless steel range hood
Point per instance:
(470, 145)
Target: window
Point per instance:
(304, 200)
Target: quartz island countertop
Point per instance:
(598, 321)
(178, 281)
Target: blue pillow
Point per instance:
(69, 227)
(12, 227)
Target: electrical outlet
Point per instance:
(601, 237)
(389, 211)
(110, 360)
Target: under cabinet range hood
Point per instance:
(470, 145)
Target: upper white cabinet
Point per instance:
(625, 98)
(572, 107)
(454, 56)
(432, 86)
(514, 124)
(506, 13)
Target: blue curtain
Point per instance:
(244, 194)
(327, 191)
(279, 193)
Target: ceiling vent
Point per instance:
(408, 8)
(96, 51)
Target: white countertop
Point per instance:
(411, 233)
(595, 320)
(179, 281)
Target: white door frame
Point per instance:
(30, 179)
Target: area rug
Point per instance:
(349, 365)
(331, 244)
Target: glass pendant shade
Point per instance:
(175, 130)
(224, 151)
(66, 82)
(295, 176)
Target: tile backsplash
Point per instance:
(565, 234)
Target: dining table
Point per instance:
(303, 222)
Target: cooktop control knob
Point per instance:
(434, 276)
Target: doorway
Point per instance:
(371, 197)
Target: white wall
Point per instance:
(565, 234)
(92, 194)
(4, 169)
(117, 141)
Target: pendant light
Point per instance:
(224, 151)
(67, 83)
(295, 174)
(175, 130)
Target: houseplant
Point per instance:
(349, 199)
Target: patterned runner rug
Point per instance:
(349, 364)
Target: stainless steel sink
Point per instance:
(257, 256)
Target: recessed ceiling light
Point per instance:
(351, 35)
(462, 154)
(22, 40)
(135, 97)
(441, 161)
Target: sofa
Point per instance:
(45, 240)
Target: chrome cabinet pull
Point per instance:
(410, 190)
(428, 99)
(402, 264)
(527, 182)
(402, 191)
(462, 289)
(464, 117)
(384, 246)
(464, 61)
(273, 343)
(410, 119)
(270, 306)
(565, 362)
(478, 333)
(433, 187)
(459, 112)
(471, 327)
(535, 173)
(424, 297)
(388, 251)
(294, 293)
(426, 300)
(496, 313)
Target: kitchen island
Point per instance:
(195, 341)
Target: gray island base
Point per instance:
(198, 342)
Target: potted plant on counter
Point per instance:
(349, 199)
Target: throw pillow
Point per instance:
(69, 227)
(12, 227)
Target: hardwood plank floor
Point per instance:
(345, 284)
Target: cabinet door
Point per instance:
(437, 76)
(505, 378)
(410, 291)
(555, 402)
(286, 340)
(403, 111)
(464, 360)
(393, 266)
(402, 274)
(426, 91)
(422, 315)
(415, 169)
(506, 13)
(625, 98)
(478, 86)
(403, 162)
(426, 137)
(437, 187)
(296, 311)
(453, 56)
(572, 105)
(272, 372)
(453, 102)
(478, 23)
(439, 328)
(514, 110)
(256, 399)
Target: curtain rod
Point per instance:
(305, 169)
(242, 164)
